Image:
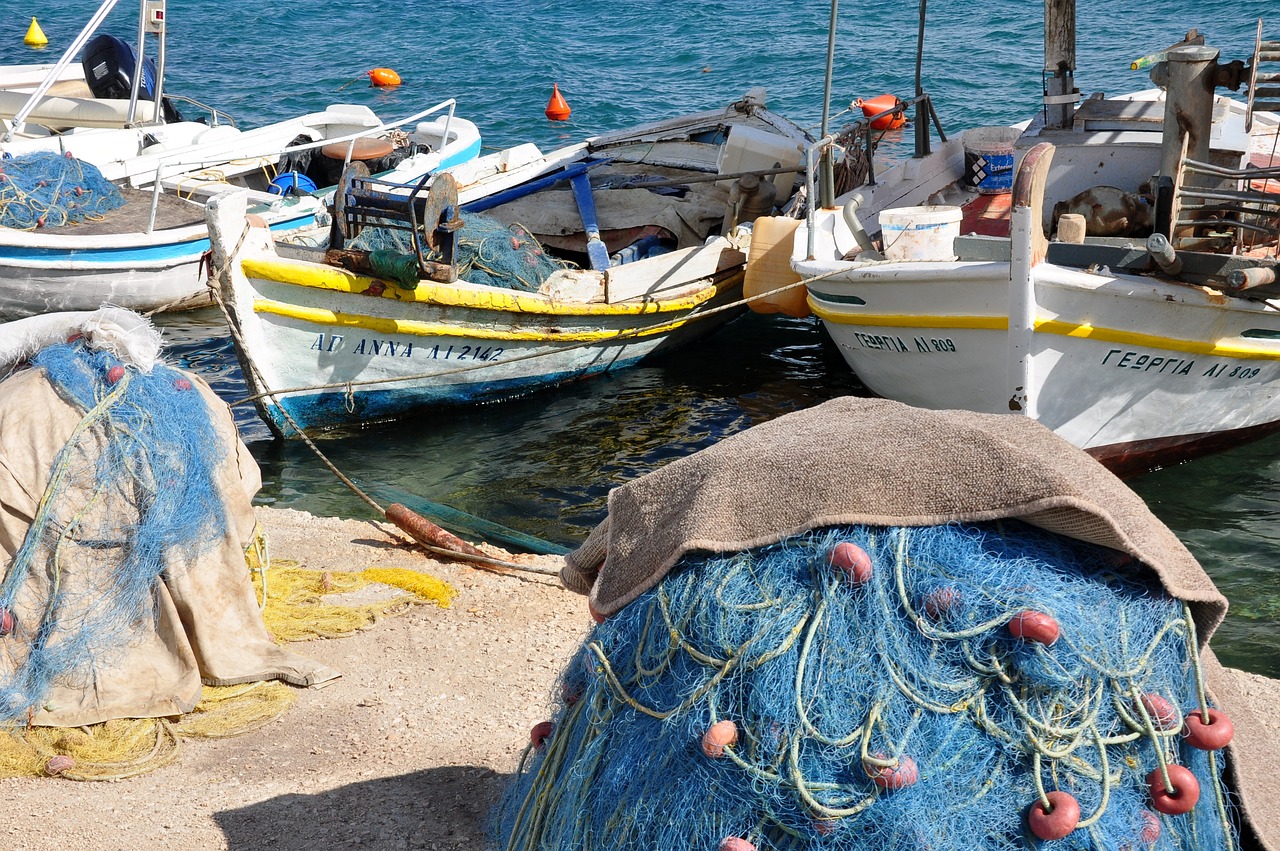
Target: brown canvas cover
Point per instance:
(207, 625)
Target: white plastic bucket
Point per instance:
(920, 233)
(988, 159)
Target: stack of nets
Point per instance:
(133, 493)
(488, 252)
(49, 190)
(879, 688)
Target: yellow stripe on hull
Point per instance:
(1052, 326)
(318, 276)
(415, 328)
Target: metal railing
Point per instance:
(181, 164)
(925, 115)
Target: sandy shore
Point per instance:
(409, 749)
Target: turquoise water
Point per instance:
(544, 465)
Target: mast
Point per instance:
(1060, 94)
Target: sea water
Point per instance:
(544, 464)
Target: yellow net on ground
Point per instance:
(298, 606)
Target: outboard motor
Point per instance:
(109, 65)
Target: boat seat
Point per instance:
(362, 149)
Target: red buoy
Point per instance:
(1212, 736)
(557, 108)
(595, 616)
(1163, 715)
(1059, 820)
(733, 843)
(1034, 626)
(891, 777)
(882, 103)
(181, 384)
(1186, 790)
(383, 77)
(58, 764)
(540, 733)
(1151, 828)
(6, 622)
(718, 737)
(853, 560)
(941, 602)
(115, 374)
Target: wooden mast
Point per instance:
(1060, 93)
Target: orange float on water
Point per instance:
(879, 104)
(557, 108)
(383, 77)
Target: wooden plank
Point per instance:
(655, 276)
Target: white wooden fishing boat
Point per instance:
(147, 254)
(1122, 294)
(325, 345)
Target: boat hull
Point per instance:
(1136, 371)
(366, 352)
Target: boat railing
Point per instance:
(20, 118)
(217, 116)
(815, 170)
(183, 161)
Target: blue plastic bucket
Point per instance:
(988, 159)
(292, 183)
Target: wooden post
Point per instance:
(1059, 62)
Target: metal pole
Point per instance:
(20, 120)
(135, 85)
(827, 187)
(922, 108)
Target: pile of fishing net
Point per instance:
(868, 626)
(488, 252)
(889, 688)
(49, 190)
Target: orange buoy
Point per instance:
(1034, 626)
(1211, 736)
(1056, 822)
(383, 77)
(879, 104)
(852, 560)
(719, 736)
(1186, 790)
(557, 109)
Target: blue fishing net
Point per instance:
(49, 190)
(488, 252)
(895, 713)
(132, 494)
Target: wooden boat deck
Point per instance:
(172, 212)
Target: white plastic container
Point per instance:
(988, 159)
(751, 149)
(920, 233)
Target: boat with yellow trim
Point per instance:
(511, 275)
(1119, 287)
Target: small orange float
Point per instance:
(1186, 790)
(383, 77)
(852, 560)
(557, 108)
(1056, 822)
(1211, 735)
(882, 104)
(718, 737)
(1034, 626)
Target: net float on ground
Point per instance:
(1058, 821)
(1186, 790)
(1212, 735)
(718, 737)
(852, 560)
(1031, 625)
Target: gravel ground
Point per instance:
(408, 750)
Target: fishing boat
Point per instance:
(146, 253)
(1107, 268)
(640, 228)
